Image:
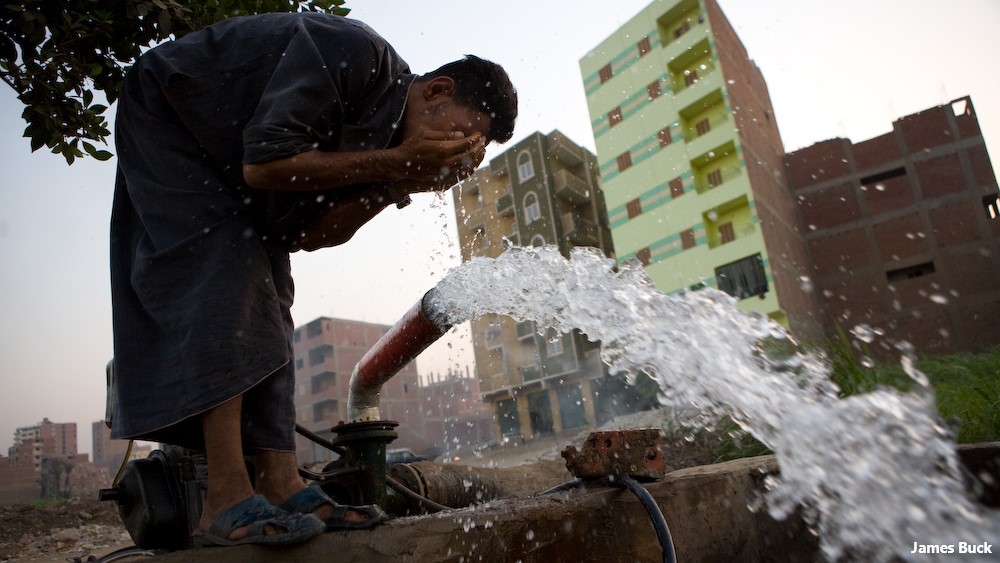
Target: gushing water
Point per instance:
(879, 470)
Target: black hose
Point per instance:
(314, 437)
(409, 493)
(659, 523)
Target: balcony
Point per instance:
(564, 150)
(571, 188)
(695, 130)
(505, 205)
(470, 185)
(514, 238)
(714, 178)
(578, 230)
(525, 330)
(323, 381)
(530, 373)
(499, 167)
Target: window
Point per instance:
(554, 346)
(743, 278)
(532, 209)
(882, 176)
(715, 178)
(910, 272)
(653, 90)
(624, 161)
(606, 73)
(644, 256)
(702, 127)
(676, 187)
(479, 236)
(684, 28)
(644, 46)
(314, 329)
(298, 335)
(991, 204)
(538, 240)
(317, 356)
(634, 208)
(726, 233)
(615, 117)
(525, 166)
(299, 364)
(665, 137)
(687, 239)
(690, 77)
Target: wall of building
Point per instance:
(899, 234)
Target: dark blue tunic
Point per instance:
(200, 279)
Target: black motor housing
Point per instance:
(159, 498)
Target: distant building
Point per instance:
(326, 351)
(45, 439)
(904, 230)
(44, 461)
(543, 190)
(690, 159)
(452, 407)
(109, 453)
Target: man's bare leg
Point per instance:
(278, 479)
(228, 480)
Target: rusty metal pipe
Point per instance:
(420, 327)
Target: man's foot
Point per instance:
(312, 500)
(256, 521)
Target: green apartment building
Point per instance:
(690, 159)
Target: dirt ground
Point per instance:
(83, 529)
(72, 530)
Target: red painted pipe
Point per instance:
(411, 335)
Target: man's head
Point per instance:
(480, 87)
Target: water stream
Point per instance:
(878, 470)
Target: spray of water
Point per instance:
(878, 471)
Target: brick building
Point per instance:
(903, 230)
(47, 452)
(326, 351)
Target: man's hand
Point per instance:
(437, 160)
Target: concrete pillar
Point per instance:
(557, 425)
(524, 416)
(589, 410)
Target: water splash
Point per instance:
(879, 470)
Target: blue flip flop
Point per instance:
(257, 513)
(311, 498)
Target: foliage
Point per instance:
(56, 54)
(966, 386)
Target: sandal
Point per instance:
(257, 513)
(310, 498)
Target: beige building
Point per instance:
(544, 190)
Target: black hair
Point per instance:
(484, 86)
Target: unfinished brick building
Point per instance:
(903, 231)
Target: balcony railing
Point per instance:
(571, 188)
(505, 205)
(578, 230)
(563, 149)
(525, 330)
(530, 373)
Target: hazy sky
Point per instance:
(834, 69)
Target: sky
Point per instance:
(843, 69)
